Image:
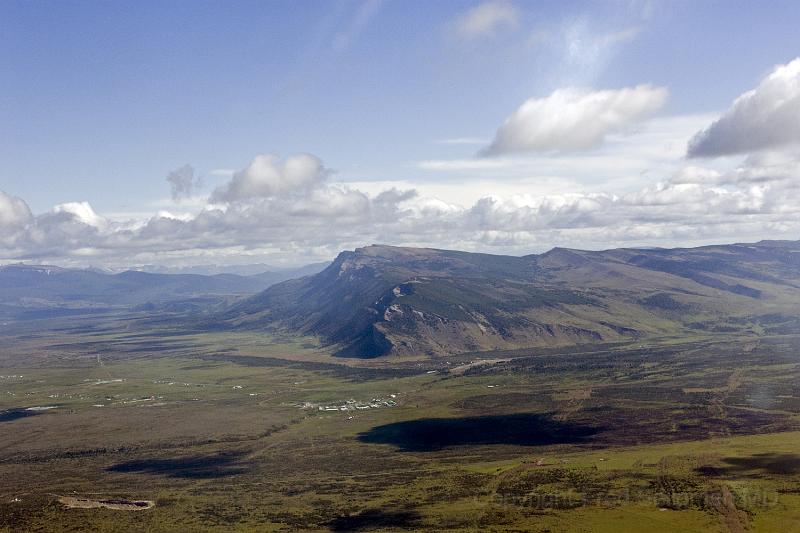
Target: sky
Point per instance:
(196, 132)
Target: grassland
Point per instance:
(223, 432)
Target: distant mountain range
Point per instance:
(39, 290)
(381, 300)
(251, 269)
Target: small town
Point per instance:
(352, 405)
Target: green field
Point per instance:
(230, 432)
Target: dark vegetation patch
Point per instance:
(206, 366)
(622, 330)
(372, 519)
(698, 271)
(688, 362)
(433, 434)
(708, 471)
(670, 394)
(604, 363)
(712, 326)
(219, 465)
(764, 463)
(647, 425)
(156, 446)
(457, 485)
(664, 302)
(356, 374)
(10, 415)
(505, 402)
(522, 353)
(120, 501)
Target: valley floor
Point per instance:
(155, 431)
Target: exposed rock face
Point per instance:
(381, 300)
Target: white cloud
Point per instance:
(80, 212)
(15, 218)
(268, 176)
(693, 174)
(654, 148)
(574, 119)
(14, 212)
(487, 18)
(696, 205)
(768, 117)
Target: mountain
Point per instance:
(276, 275)
(30, 290)
(254, 269)
(381, 300)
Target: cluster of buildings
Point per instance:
(352, 405)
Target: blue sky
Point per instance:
(100, 101)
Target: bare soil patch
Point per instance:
(118, 504)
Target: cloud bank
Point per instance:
(574, 119)
(768, 117)
(291, 207)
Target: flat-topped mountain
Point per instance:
(380, 300)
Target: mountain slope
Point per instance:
(382, 300)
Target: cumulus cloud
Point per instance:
(487, 18)
(15, 218)
(768, 117)
(14, 212)
(267, 175)
(183, 182)
(81, 212)
(574, 119)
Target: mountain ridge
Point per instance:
(380, 300)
